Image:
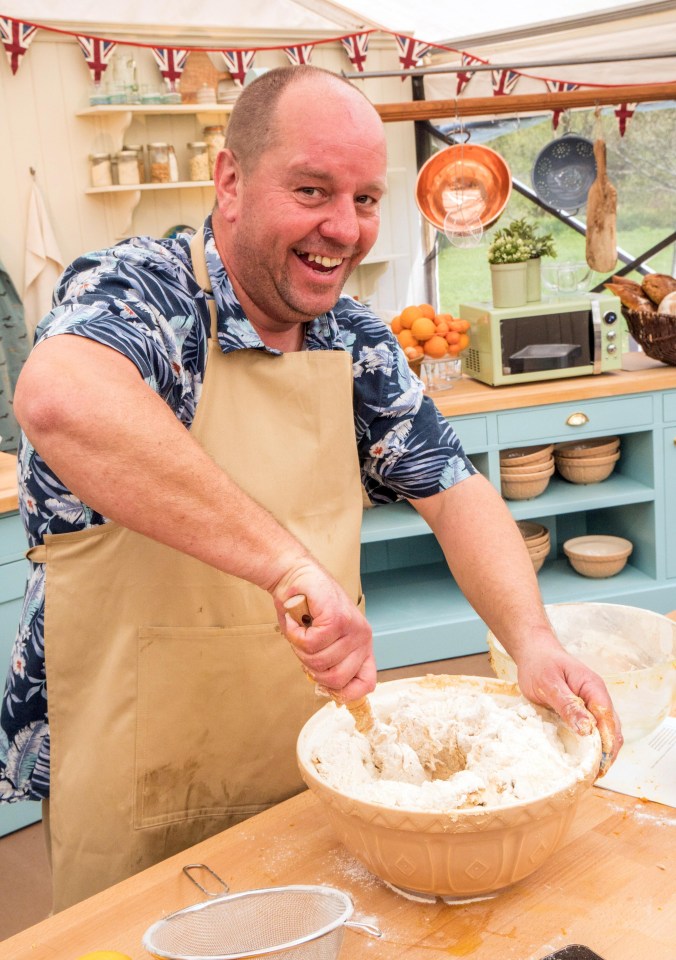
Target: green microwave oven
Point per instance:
(544, 340)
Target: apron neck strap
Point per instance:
(199, 266)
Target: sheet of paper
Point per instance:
(647, 767)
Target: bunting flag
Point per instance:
(356, 47)
(504, 82)
(559, 86)
(411, 52)
(239, 62)
(97, 54)
(171, 61)
(300, 54)
(464, 76)
(624, 112)
(16, 39)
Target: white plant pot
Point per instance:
(509, 282)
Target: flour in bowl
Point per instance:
(462, 750)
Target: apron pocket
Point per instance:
(219, 713)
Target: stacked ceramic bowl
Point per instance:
(536, 538)
(525, 471)
(587, 461)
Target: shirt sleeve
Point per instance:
(407, 450)
(138, 300)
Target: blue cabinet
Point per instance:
(417, 611)
(13, 568)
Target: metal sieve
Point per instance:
(283, 923)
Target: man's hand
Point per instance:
(337, 649)
(550, 676)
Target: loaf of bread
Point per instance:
(631, 295)
(656, 286)
(668, 305)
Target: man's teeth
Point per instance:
(324, 261)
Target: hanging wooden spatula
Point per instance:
(360, 709)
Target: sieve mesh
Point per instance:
(283, 923)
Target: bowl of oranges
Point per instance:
(432, 343)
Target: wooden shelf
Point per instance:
(107, 110)
(143, 187)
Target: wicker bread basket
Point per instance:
(655, 332)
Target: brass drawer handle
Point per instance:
(577, 420)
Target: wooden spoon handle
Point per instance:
(298, 610)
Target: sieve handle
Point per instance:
(370, 928)
(202, 866)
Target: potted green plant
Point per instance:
(508, 255)
(541, 244)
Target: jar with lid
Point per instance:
(198, 160)
(101, 170)
(158, 158)
(215, 139)
(127, 168)
(140, 159)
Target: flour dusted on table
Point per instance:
(501, 749)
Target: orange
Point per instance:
(442, 327)
(413, 352)
(423, 328)
(452, 337)
(396, 324)
(427, 310)
(454, 324)
(436, 347)
(453, 350)
(408, 315)
(463, 342)
(463, 325)
(406, 339)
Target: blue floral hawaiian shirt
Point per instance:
(141, 298)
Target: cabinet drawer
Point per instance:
(472, 432)
(550, 423)
(669, 407)
(13, 543)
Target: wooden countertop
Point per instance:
(609, 887)
(469, 396)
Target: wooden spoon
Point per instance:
(360, 709)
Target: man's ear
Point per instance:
(228, 182)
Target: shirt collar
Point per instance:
(234, 328)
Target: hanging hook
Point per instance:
(32, 172)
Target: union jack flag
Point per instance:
(503, 81)
(97, 53)
(16, 38)
(559, 86)
(356, 47)
(411, 52)
(171, 61)
(464, 76)
(300, 54)
(239, 61)
(624, 112)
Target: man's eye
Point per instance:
(310, 191)
(365, 201)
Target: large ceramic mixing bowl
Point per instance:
(634, 650)
(460, 854)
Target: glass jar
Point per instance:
(140, 159)
(158, 159)
(198, 160)
(127, 168)
(101, 170)
(215, 140)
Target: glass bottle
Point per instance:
(214, 136)
(101, 170)
(198, 160)
(140, 159)
(158, 159)
(127, 167)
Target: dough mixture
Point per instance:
(440, 750)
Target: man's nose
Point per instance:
(341, 223)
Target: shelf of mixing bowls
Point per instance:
(418, 612)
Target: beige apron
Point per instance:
(174, 701)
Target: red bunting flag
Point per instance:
(559, 86)
(300, 54)
(624, 112)
(97, 53)
(464, 76)
(239, 62)
(171, 61)
(356, 47)
(16, 38)
(411, 52)
(504, 81)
